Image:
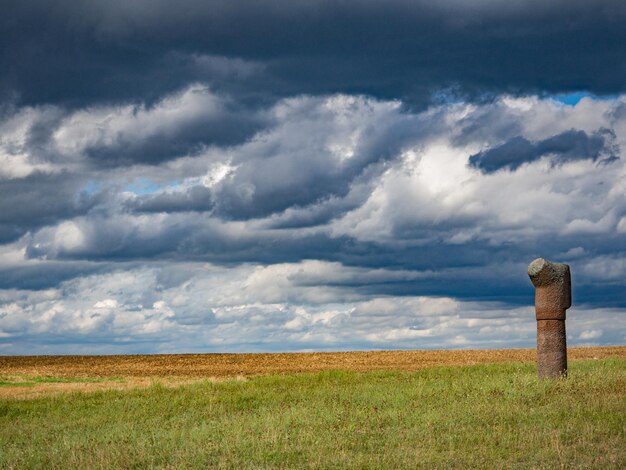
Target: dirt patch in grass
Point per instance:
(24, 387)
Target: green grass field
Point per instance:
(495, 416)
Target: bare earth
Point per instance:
(18, 373)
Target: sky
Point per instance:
(286, 175)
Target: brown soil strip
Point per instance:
(232, 365)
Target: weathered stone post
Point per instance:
(553, 295)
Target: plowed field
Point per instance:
(233, 365)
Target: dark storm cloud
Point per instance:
(228, 126)
(262, 187)
(46, 275)
(567, 146)
(282, 182)
(196, 198)
(307, 159)
(61, 51)
(178, 124)
(38, 200)
(476, 270)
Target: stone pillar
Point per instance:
(553, 295)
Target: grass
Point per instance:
(487, 416)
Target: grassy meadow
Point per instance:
(482, 416)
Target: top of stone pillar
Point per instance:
(544, 273)
(553, 288)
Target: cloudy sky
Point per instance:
(285, 175)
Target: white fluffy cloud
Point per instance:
(114, 125)
(179, 307)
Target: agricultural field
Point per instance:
(390, 409)
(25, 376)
